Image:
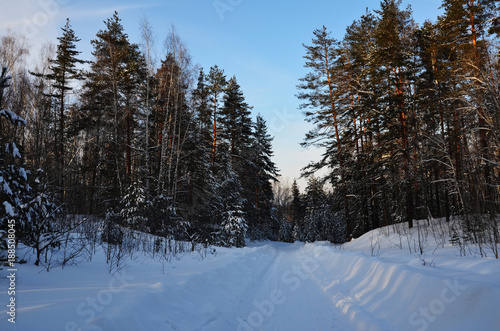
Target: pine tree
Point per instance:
(63, 71)
(321, 97)
(110, 107)
(393, 55)
(216, 87)
(494, 28)
(464, 25)
(357, 77)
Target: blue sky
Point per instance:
(260, 42)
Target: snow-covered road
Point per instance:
(286, 296)
(265, 286)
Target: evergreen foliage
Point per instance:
(406, 117)
(28, 210)
(14, 188)
(134, 207)
(62, 72)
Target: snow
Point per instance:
(15, 119)
(15, 151)
(372, 283)
(6, 187)
(9, 210)
(22, 173)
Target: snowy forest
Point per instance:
(167, 151)
(408, 117)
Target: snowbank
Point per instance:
(376, 282)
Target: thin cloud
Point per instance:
(18, 12)
(21, 13)
(80, 14)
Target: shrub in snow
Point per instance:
(113, 238)
(112, 233)
(40, 232)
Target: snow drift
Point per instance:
(372, 283)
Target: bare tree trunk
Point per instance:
(164, 134)
(147, 36)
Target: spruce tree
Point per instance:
(134, 207)
(236, 136)
(258, 182)
(14, 189)
(298, 212)
(201, 105)
(200, 179)
(235, 121)
(28, 210)
(229, 201)
(314, 215)
(41, 233)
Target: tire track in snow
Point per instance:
(286, 298)
(253, 267)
